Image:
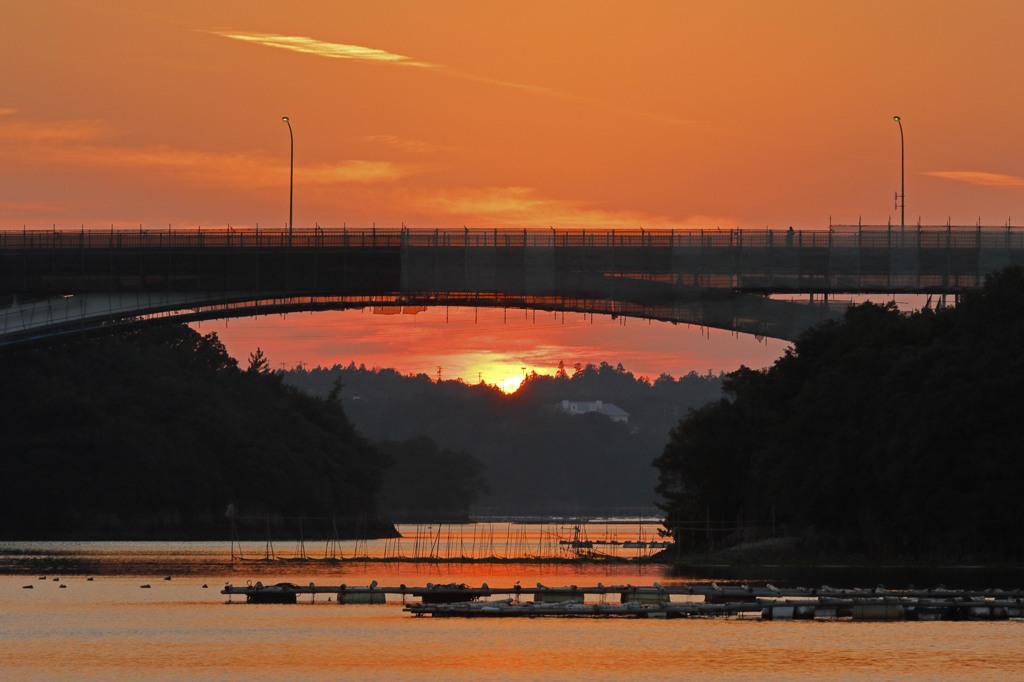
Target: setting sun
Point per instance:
(511, 384)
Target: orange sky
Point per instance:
(492, 345)
(570, 114)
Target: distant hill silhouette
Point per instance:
(537, 458)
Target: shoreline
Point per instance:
(182, 560)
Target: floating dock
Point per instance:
(884, 609)
(766, 602)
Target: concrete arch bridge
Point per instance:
(772, 283)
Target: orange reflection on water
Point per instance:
(112, 629)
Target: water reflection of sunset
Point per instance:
(109, 629)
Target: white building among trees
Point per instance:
(613, 412)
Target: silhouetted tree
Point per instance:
(258, 362)
(884, 434)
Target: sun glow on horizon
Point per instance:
(510, 385)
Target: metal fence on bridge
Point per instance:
(842, 259)
(835, 237)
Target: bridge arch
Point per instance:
(26, 322)
(56, 283)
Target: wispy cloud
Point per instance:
(577, 99)
(980, 178)
(358, 171)
(526, 87)
(18, 131)
(322, 48)
(404, 144)
(307, 45)
(510, 206)
(48, 145)
(25, 208)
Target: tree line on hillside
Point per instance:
(883, 434)
(535, 458)
(154, 432)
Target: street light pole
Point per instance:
(291, 176)
(901, 198)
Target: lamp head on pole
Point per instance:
(285, 118)
(895, 118)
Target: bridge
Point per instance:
(772, 283)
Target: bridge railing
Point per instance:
(196, 238)
(836, 237)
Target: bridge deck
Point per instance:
(860, 260)
(715, 278)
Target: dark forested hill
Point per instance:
(153, 433)
(884, 434)
(537, 459)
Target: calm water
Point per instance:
(111, 628)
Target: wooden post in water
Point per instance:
(234, 534)
(269, 551)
